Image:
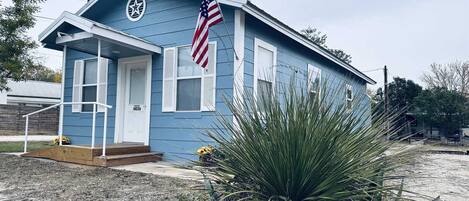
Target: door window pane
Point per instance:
(188, 95)
(89, 95)
(186, 66)
(137, 87)
(90, 74)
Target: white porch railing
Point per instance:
(93, 129)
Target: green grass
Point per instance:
(8, 147)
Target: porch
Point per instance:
(87, 81)
(116, 154)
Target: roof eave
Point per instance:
(252, 9)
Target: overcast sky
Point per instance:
(405, 35)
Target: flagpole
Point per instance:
(227, 30)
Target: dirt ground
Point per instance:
(32, 179)
(441, 175)
(431, 175)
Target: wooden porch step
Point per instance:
(120, 150)
(128, 159)
(116, 154)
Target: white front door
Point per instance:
(134, 83)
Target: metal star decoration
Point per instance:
(135, 8)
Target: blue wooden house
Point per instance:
(131, 58)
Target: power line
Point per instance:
(373, 70)
(44, 18)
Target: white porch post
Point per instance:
(98, 66)
(93, 130)
(61, 117)
(26, 128)
(105, 132)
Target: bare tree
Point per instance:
(452, 76)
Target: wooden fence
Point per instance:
(12, 122)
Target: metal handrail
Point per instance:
(68, 103)
(93, 132)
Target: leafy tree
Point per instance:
(442, 108)
(16, 60)
(46, 74)
(402, 93)
(319, 38)
(451, 76)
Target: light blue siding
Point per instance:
(78, 125)
(293, 60)
(170, 23)
(167, 23)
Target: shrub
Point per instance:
(298, 146)
(208, 155)
(65, 141)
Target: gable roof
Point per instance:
(95, 29)
(250, 8)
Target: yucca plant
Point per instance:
(297, 146)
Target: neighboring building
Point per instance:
(31, 93)
(26, 97)
(159, 97)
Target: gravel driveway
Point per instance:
(441, 175)
(32, 179)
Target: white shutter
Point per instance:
(169, 66)
(102, 83)
(77, 84)
(208, 96)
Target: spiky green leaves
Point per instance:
(300, 147)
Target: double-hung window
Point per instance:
(265, 61)
(314, 80)
(89, 84)
(349, 96)
(186, 86)
(189, 81)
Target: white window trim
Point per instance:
(317, 71)
(119, 125)
(260, 43)
(176, 78)
(347, 99)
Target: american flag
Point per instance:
(210, 15)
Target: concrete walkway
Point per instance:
(163, 169)
(31, 138)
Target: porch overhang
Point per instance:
(83, 35)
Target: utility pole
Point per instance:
(386, 101)
(386, 91)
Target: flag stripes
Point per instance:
(210, 15)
